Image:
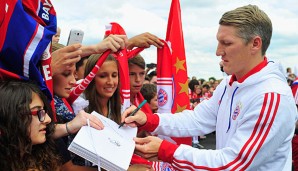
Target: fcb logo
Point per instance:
(237, 111)
(162, 97)
(166, 167)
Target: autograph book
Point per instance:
(111, 148)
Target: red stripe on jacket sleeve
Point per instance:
(152, 122)
(166, 151)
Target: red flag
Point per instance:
(172, 82)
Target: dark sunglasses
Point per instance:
(41, 113)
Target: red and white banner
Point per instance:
(172, 82)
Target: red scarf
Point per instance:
(26, 53)
(122, 57)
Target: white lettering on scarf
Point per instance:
(46, 7)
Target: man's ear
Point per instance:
(256, 44)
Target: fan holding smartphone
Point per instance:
(75, 36)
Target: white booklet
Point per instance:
(111, 148)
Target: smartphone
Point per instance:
(75, 36)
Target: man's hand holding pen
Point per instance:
(138, 118)
(149, 145)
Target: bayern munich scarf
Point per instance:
(26, 29)
(122, 57)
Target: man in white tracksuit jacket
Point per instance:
(252, 111)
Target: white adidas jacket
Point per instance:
(254, 122)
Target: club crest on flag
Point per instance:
(162, 97)
(172, 84)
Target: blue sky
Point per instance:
(200, 23)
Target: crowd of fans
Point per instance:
(30, 138)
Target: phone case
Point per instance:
(75, 36)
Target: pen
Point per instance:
(134, 112)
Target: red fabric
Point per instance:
(175, 36)
(30, 5)
(251, 72)
(151, 124)
(122, 58)
(139, 160)
(165, 86)
(146, 108)
(166, 151)
(2, 11)
(47, 73)
(294, 88)
(67, 105)
(196, 96)
(295, 152)
(295, 138)
(4, 74)
(176, 72)
(29, 56)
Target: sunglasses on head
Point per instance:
(41, 113)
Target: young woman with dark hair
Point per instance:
(26, 129)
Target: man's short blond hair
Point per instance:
(250, 21)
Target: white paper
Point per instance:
(114, 146)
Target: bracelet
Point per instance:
(67, 129)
